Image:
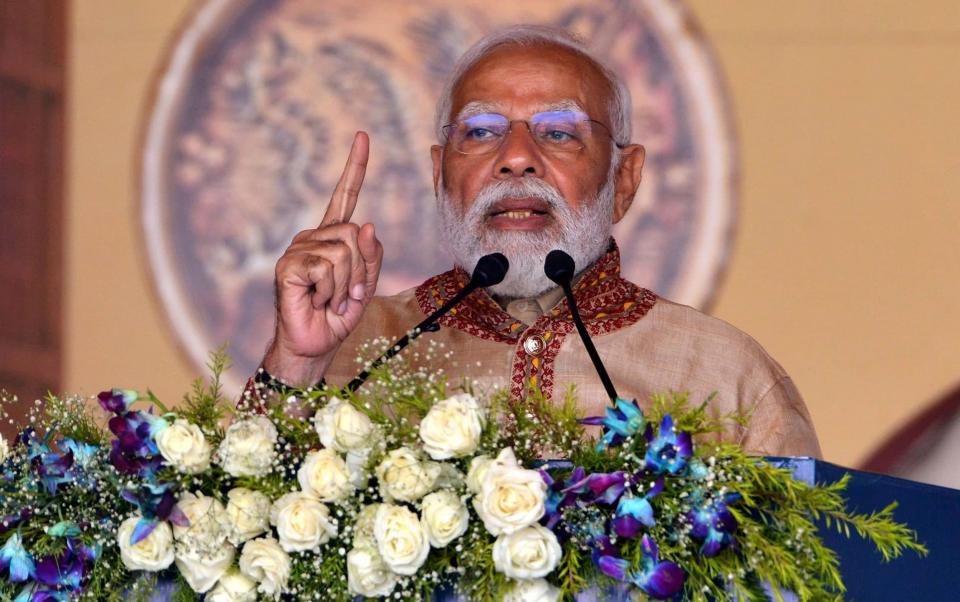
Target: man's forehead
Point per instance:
(538, 77)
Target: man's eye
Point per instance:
(479, 134)
(558, 135)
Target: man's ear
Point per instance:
(436, 155)
(627, 179)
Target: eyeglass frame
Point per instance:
(448, 127)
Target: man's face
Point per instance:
(512, 182)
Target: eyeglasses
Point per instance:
(553, 131)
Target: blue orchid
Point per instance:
(669, 450)
(14, 556)
(557, 497)
(84, 454)
(714, 524)
(623, 420)
(54, 469)
(156, 502)
(636, 512)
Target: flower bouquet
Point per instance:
(409, 490)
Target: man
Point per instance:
(534, 154)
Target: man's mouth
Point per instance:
(519, 214)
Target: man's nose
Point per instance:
(519, 154)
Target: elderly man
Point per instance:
(534, 155)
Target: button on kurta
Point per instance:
(534, 345)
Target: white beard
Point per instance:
(584, 234)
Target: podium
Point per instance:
(932, 511)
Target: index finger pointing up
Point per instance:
(344, 198)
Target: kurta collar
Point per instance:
(606, 302)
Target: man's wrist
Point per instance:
(295, 370)
(278, 385)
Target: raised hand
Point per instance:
(324, 281)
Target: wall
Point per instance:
(845, 266)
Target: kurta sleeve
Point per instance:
(780, 424)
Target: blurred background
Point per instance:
(834, 208)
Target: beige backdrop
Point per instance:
(846, 265)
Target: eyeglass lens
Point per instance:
(560, 131)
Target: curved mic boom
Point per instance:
(490, 270)
(560, 268)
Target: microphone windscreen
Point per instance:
(490, 270)
(559, 267)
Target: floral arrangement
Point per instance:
(407, 490)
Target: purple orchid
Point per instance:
(600, 487)
(66, 571)
(633, 513)
(117, 401)
(714, 524)
(134, 451)
(658, 579)
(623, 420)
(669, 450)
(15, 558)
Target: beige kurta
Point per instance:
(648, 344)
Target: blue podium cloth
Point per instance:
(934, 512)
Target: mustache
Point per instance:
(495, 192)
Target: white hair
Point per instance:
(534, 35)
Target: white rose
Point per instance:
(477, 471)
(208, 523)
(357, 466)
(401, 539)
(452, 427)
(183, 445)
(248, 514)
(510, 497)
(404, 477)
(342, 427)
(367, 574)
(445, 517)
(325, 476)
(302, 522)
(4, 449)
(363, 526)
(153, 553)
(264, 561)
(247, 449)
(528, 553)
(233, 587)
(532, 590)
(202, 570)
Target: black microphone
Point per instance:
(560, 268)
(490, 270)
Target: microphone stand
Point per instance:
(490, 270)
(559, 267)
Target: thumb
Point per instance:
(372, 252)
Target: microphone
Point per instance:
(490, 270)
(560, 268)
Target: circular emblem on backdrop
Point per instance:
(257, 105)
